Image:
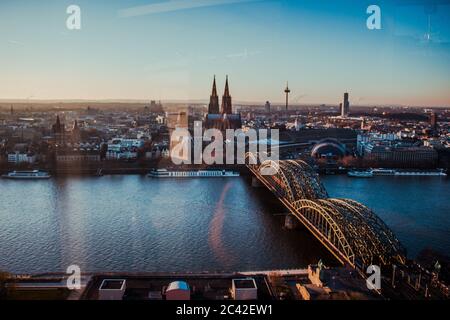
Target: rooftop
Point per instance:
(178, 285)
(206, 286)
(244, 283)
(112, 284)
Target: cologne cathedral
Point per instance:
(224, 118)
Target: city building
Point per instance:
(112, 289)
(244, 289)
(366, 142)
(71, 156)
(75, 134)
(333, 284)
(433, 121)
(59, 132)
(267, 106)
(345, 106)
(123, 148)
(18, 157)
(404, 157)
(156, 106)
(390, 150)
(226, 119)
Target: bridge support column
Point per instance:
(256, 183)
(290, 222)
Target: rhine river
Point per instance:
(134, 223)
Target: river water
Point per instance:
(134, 223)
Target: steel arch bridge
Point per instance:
(348, 229)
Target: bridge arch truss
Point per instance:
(349, 230)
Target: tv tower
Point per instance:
(287, 91)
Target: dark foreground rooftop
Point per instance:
(152, 287)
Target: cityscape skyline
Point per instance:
(262, 151)
(321, 49)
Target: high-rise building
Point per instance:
(226, 100)
(213, 107)
(433, 121)
(345, 106)
(267, 106)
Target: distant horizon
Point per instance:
(205, 102)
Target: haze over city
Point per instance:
(170, 50)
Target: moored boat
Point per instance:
(164, 173)
(421, 173)
(34, 174)
(360, 174)
(383, 172)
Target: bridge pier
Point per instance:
(290, 222)
(256, 183)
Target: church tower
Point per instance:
(58, 131)
(226, 100)
(76, 134)
(213, 107)
(225, 118)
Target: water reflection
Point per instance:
(134, 223)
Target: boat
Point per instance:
(406, 172)
(426, 173)
(383, 172)
(35, 174)
(360, 174)
(164, 173)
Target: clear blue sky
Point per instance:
(322, 47)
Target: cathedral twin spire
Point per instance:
(214, 100)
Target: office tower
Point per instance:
(345, 106)
(433, 120)
(267, 106)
